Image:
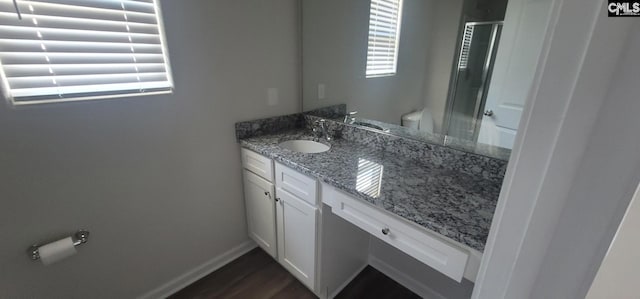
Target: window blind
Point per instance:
(63, 50)
(384, 35)
(466, 46)
(369, 177)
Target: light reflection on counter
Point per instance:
(369, 178)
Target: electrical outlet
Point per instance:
(321, 90)
(272, 96)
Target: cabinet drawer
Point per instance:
(298, 184)
(257, 164)
(418, 243)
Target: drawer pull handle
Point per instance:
(385, 231)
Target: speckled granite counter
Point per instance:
(454, 204)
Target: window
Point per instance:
(68, 50)
(385, 17)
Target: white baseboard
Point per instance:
(198, 272)
(407, 281)
(351, 278)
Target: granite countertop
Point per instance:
(456, 205)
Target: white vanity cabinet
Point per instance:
(260, 202)
(449, 258)
(257, 164)
(297, 236)
(282, 217)
(261, 213)
(321, 235)
(296, 216)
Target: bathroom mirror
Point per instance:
(455, 72)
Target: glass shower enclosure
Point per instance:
(470, 79)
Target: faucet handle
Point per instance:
(320, 123)
(350, 117)
(318, 127)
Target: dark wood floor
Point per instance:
(257, 275)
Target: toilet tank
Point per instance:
(412, 119)
(419, 120)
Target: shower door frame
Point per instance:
(487, 68)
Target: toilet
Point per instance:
(419, 120)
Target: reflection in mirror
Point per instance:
(452, 71)
(369, 178)
(471, 74)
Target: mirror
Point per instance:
(455, 72)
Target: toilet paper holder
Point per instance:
(79, 238)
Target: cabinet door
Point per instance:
(296, 236)
(261, 217)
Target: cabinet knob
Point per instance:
(277, 199)
(267, 193)
(488, 113)
(385, 231)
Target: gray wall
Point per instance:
(441, 56)
(155, 179)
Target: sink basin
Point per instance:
(304, 146)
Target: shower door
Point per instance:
(467, 93)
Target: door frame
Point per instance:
(580, 51)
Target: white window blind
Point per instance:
(466, 46)
(369, 177)
(385, 17)
(65, 50)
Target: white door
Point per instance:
(518, 52)
(296, 236)
(261, 218)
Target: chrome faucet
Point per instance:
(320, 129)
(350, 118)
